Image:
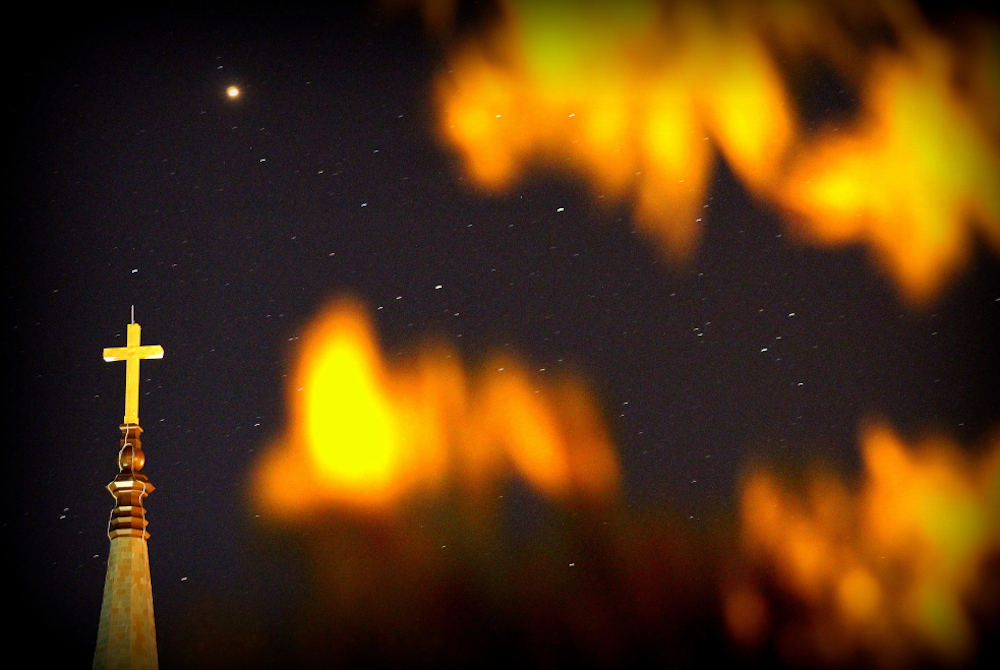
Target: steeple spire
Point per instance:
(126, 636)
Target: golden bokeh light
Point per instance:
(883, 571)
(639, 97)
(363, 434)
(914, 178)
(603, 93)
(827, 572)
(233, 92)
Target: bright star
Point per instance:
(232, 92)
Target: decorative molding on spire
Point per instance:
(129, 487)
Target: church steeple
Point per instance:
(126, 636)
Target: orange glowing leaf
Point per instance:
(365, 434)
(913, 178)
(637, 96)
(885, 570)
(597, 89)
(345, 418)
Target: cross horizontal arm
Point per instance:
(124, 353)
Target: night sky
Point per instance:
(229, 223)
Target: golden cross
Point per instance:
(131, 353)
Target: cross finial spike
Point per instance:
(133, 313)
